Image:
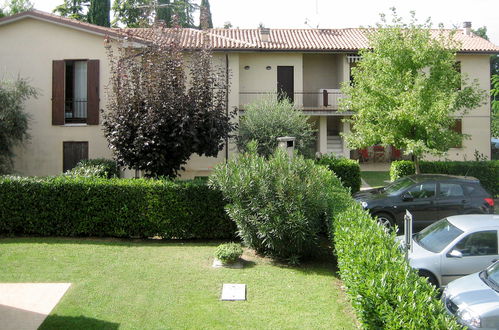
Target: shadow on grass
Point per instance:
(76, 322)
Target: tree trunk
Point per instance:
(416, 164)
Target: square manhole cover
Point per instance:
(233, 292)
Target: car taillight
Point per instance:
(489, 201)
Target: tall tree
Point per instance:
(13, 7)
(205, 21)
(406, 90)
(132, 13)
(164, 12)
(495, 106)
(154, 121)
(75, 9)
(98, 12)
(13, 119)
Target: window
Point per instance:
(72, 153)
(458, 128)
(425, 190)
(478, 244)
(451, 190)
(75, 92)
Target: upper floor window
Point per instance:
(75, 92)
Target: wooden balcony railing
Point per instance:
(325, 99)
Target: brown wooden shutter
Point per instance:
(72, 153)
(458, 128)
(58, 92)
(93, 92)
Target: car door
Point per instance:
(451, 199)
(419, 200)
(475, 252)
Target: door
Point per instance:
(420, 201)
(451, 199)
(478, 251)
(72, 153)
(285, 82)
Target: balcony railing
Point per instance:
(325, 99)
(75, 111)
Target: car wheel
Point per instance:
(430, 277)
(385, 220)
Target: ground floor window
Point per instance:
(73, 152)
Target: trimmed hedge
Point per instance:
(485, 171)
(66, 206)
(385, 291)
(347, 170)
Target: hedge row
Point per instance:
(485, 171)
(347, 170)
(385, 291)
(67, 206)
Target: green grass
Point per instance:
(375, 178)
(165, 285)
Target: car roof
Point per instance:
(442, 177)
(467, 222)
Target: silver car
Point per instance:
(454, 247)
(474, 299)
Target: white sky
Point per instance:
(343, 13)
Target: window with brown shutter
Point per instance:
(75, 92)
(458, 128)
(72, 153)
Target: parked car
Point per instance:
(474, 299)
(428, 197)
(454, 247)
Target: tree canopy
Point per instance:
(13, 7)
(162, 110)
(98, 12)
(406, 90)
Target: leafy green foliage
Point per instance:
(98, 12)
(386, 292)
(228, 252)
(406, 89)
(99, 167)
(279, 204)
(495, 105)
(75, 9)
(347, 170)
(66, 206)
(13, 7)
(13, 119)
(154, 120)
(269, 118)
(485, 171)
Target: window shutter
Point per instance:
(72, 153)
(93, 92)
(458, 128)
(58, 92)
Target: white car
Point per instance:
(454, 247)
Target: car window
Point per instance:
(451, 190)
(478, 244)
(437, 236)
(398, 185)
(424, 190)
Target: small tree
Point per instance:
(406, 90)
(268, 118)
(13, 119)
(154, 121)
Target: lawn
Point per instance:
(159, 285)
(375, 178)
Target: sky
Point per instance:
(342, 14)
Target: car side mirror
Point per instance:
(455, 254)
(406, 197)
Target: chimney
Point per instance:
(467, 28)
(264, 34)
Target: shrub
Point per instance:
(67, 206)
(385, 291)
(98, 167)
(279, 204)
(228, 252)
(269, 118)
(347, 170)
(485, 171)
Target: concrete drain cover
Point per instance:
(234, 292)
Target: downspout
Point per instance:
(227, 103)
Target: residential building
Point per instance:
(66, 61)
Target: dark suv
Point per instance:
(429, 197)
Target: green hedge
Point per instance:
(347, 170)
(485, 171)
(385, 291)
(67, 206)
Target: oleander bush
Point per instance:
(228, 252)
(485, 171)
(98, 167)
(80, 206)
(347, 170)
(279, 204)
(385, 291)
